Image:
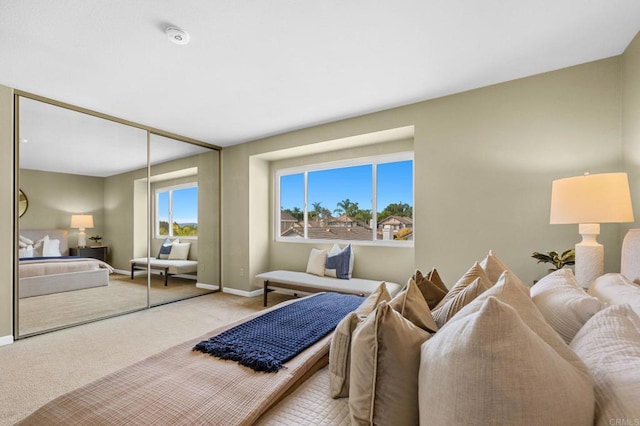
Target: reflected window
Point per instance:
(177, 211)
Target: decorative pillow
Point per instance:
(431, 292)
(339, 262)
(340, 349)
(434, 277)
(445, 312)
(563, 303)
(179, 251)
(616, 289)
(316, 262)
(491, 367)
(26, 241)
(493, 267)
(373, 300)
(609, 344)
(385, 358)
(411, 305)
(50, 248)
(25, 252)
(470, 276)
(165, 248)
(38, 246)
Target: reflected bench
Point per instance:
(166, 267)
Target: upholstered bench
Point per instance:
(304, 283)
(166, 267)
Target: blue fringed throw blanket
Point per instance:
(266, 342)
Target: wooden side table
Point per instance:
(95, 252)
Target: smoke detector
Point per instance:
(177, 35)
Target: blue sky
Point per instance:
(395, 185)
(185, 205)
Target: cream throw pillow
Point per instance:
(563, 303)
(493, 267)
(445, 312)
(340, 349)
(411, 305)
(431, 292)
(616, 289)
(492, 369)
(470, 276)
(609, 343)
(179, 251)
(385, 358)
(315, 264)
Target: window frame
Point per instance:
(170, 189)
(374, 161)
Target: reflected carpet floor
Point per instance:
(121, 295)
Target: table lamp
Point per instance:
(82, 221)
(590, 200)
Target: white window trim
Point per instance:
(374, 160)
(170, 189)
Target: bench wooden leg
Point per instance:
(266, 291)
(132, 269)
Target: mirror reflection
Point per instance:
(83, 245)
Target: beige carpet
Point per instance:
(37, 369)
(121, 295)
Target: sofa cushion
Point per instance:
(609, 344)
(563, 303)
(385, 358)
(490, 366)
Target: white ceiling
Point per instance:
(258, 68)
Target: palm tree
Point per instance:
(347, 207)
(317, 209)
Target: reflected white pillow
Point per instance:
(179, 251)
(50, 248)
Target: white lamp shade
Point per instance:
(600, 198)
(81, 221)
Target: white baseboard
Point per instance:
(121, 271)
(208, 286)
(243, 293)
(6, 340)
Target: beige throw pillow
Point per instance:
(385, 358)
(563, 303)
(431, 291)
(609, 344)
(471, 275)
(493, 267)
(316, 262)
(411, 305)
(179, 251)
(445, 312)
(340, 349)
(492, 369)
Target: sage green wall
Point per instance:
(484, 163)
(631, 123)
(54, 197)
(6, 212)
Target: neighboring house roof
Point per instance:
(331, 233)
(286, 217)
(396, 220)
(343, 218)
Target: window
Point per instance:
(367, 199)
(178, 206)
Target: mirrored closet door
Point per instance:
(98, 198)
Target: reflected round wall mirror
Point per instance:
(23, 203)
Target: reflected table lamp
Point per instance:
(588, 201)
(82, 222)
